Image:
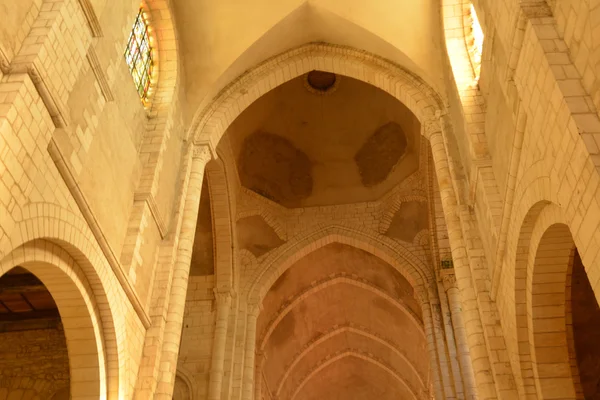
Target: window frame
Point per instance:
(140, 57)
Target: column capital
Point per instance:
(431, 127)
(448, 279)
(254, 308)
(201, 152)
(422, 295)
(223, 295)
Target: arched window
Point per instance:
(138, 55)
(476, 42)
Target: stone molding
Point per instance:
(90, 218)
(211, 121)
(157, 216)
(412, 268)
(57, 112)
(92, 58)
(91, 17)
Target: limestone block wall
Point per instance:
(34, 363)
(537, 81)
(74, 150)
(197, 335)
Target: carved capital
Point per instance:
(432, 126)
(449, 281)
(422, 296)
(223, 296)
(254, 309)
(202, 153)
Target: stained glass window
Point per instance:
(138, 55)
(477, 45)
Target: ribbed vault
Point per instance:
(341, 323)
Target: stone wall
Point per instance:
(34, 363)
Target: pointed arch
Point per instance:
(341, 330)
(211, 122)
(356, 354)
(395, 254)
(326, 284)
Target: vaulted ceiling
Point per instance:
(323, 139)
(342, 323)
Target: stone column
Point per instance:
(450, 343)
(223, 305)
(462, 267)
(440, 344)
(261, 357)
(460, 335)
(249, 358)
(181, 271)
(438, 385)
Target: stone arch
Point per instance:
(327, 283)
(339, 331)
(79, 312)
(363, 356)
(68, 231)
(223, 226)
(543, 259)
(211, 122)
(395, 254)
(183, 386)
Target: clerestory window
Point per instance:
(476, 45)
(138, 55)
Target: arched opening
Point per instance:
(181, 390)
(49, 274)
(561, 313)
(34, 361)
(287, 192)
(341, 320)
(583, 331)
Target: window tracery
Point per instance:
(138, 55)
